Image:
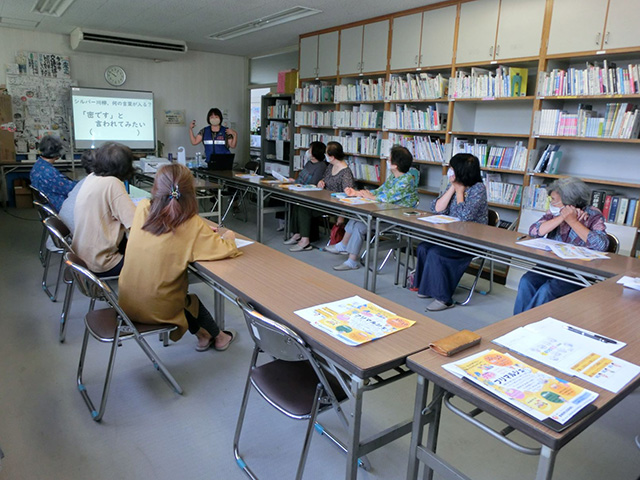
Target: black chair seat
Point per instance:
(103, 323)
(291, 385)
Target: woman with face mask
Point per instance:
(439, 269)
(217, 139)
(570, 219)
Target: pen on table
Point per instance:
(593, 336)
(521, 237)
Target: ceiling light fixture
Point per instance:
(285, 16)
(17, 23)
(53, 8)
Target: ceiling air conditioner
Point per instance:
(95, 41)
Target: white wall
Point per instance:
(195, 83)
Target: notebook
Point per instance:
(221, 161)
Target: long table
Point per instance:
(606, 308)
(277, 285)
(25, 167)
(498, 245)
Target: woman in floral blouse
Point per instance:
(570, 219)
(401, 188)
(439, 269)
(45, 177)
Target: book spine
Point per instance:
(606, 206)
(611, 217)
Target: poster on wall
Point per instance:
(174, 117)
(40, 98)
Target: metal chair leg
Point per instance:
(158, 365)
(475, 282)
(60, 271)
(66, 306)
(307, 437)
(43, 245)
(45, 274)
(243, 408)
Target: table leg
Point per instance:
(367, 257)
(434, 427)
(218, 309)
(418, 427)
(355, 421)
(376, 242)
(260, 212)
(219, 220)
(546, 463)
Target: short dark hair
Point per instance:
(216, 112)
(50, 147)
(113, 160)
(467, 169)
(401, 157)
(317, 150)
(334, 149)
(86, 160)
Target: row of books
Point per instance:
(363, 170)
(302, 140)
(407, 117)
(278, 131)
(616, 208)
(314, 93)
(535, 197)
(359, 143)
(362, 116)
(362, 91)
(620, 120)
(549, 160)
(316, 118)
(493, 156)
(281, 109)
(415, 86)
(504, 193)
(482, 83)
(607, 79)
(423, 148)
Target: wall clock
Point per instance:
(115, 75)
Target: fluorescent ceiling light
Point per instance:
(18, 23)
(288, 15)
(54, 8)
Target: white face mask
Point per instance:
(215, 121)
(451, 174)
(326, 157)
(555, 211)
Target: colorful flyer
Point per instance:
(354, 320)
(526, 388)
(439, 219)
(357, 200)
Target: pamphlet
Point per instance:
(354, 320)
(439, 219)
(242, 243)
(298, 187)
(630, 282)
(526, 388)
(563, 250)
(357, 200)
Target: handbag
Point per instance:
(337, 232)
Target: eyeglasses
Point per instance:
(551, 202)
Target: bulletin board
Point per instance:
(39, 85)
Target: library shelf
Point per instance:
(317, 103)
(597, 181)
(504, 205)
(351, 154)
(485, 134)
(502, 170)
(426, 191)
(358, 102)
(278, 119)
(424, 132)
(496, 63)
(527, 98)
(327, 127)
(357, 129)
(590, 139)
(418, 100)
(427, 162)
(617, 96)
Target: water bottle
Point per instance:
(199, 162)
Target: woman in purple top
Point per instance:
(570, 219)
(45, 177)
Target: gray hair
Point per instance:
(50, 147)
(572, 191)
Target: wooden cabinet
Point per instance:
(576, 27)
(405, 42)
(364, 48)
(319, 55)
(623, 25)
(495, 30)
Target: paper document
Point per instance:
(356, 200)
(630, 282)
(298, 187)
(524, 387)
(539, 243)
(242, 243)
(573, 351)
(563, 250)
(354, 320)
(278, 176)
(439, 219)
(249, 176)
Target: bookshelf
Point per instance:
(276, 122)
(457, 92)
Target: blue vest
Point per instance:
(215, 145)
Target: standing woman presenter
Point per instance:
(217, 139)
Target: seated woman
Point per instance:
(45, 177)
(401, 187)
(337, 178)
(69, 205)
(166, 236)
(570, 219)
(439, 269)
(104, 211)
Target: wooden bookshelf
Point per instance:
(528, 98)
(486, 134)
(591, 139)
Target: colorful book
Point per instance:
(606, 206)
(631, 211)
(621, 215)
(613, 209)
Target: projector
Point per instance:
(152, 164)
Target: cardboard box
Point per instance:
(7, 145)
(23, 196)
(291, 81)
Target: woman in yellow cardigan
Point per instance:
(166, 236)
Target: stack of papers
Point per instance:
(354, 320)
(439, 219)
(573, 351)
(357, 200)
(528, 389)
(563, 250)
(630, 282)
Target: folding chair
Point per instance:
(40, 197)
(111, 325)
(614, 243)
(494, 221)
(46, 211)
(293, 382)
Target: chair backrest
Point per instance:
(614, 243)
(273, 338)
(494, 217)
(39, 196)
(44, 210)
(60, 233)
(90, 285)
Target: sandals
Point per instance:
(298, 248)
(212, 342)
